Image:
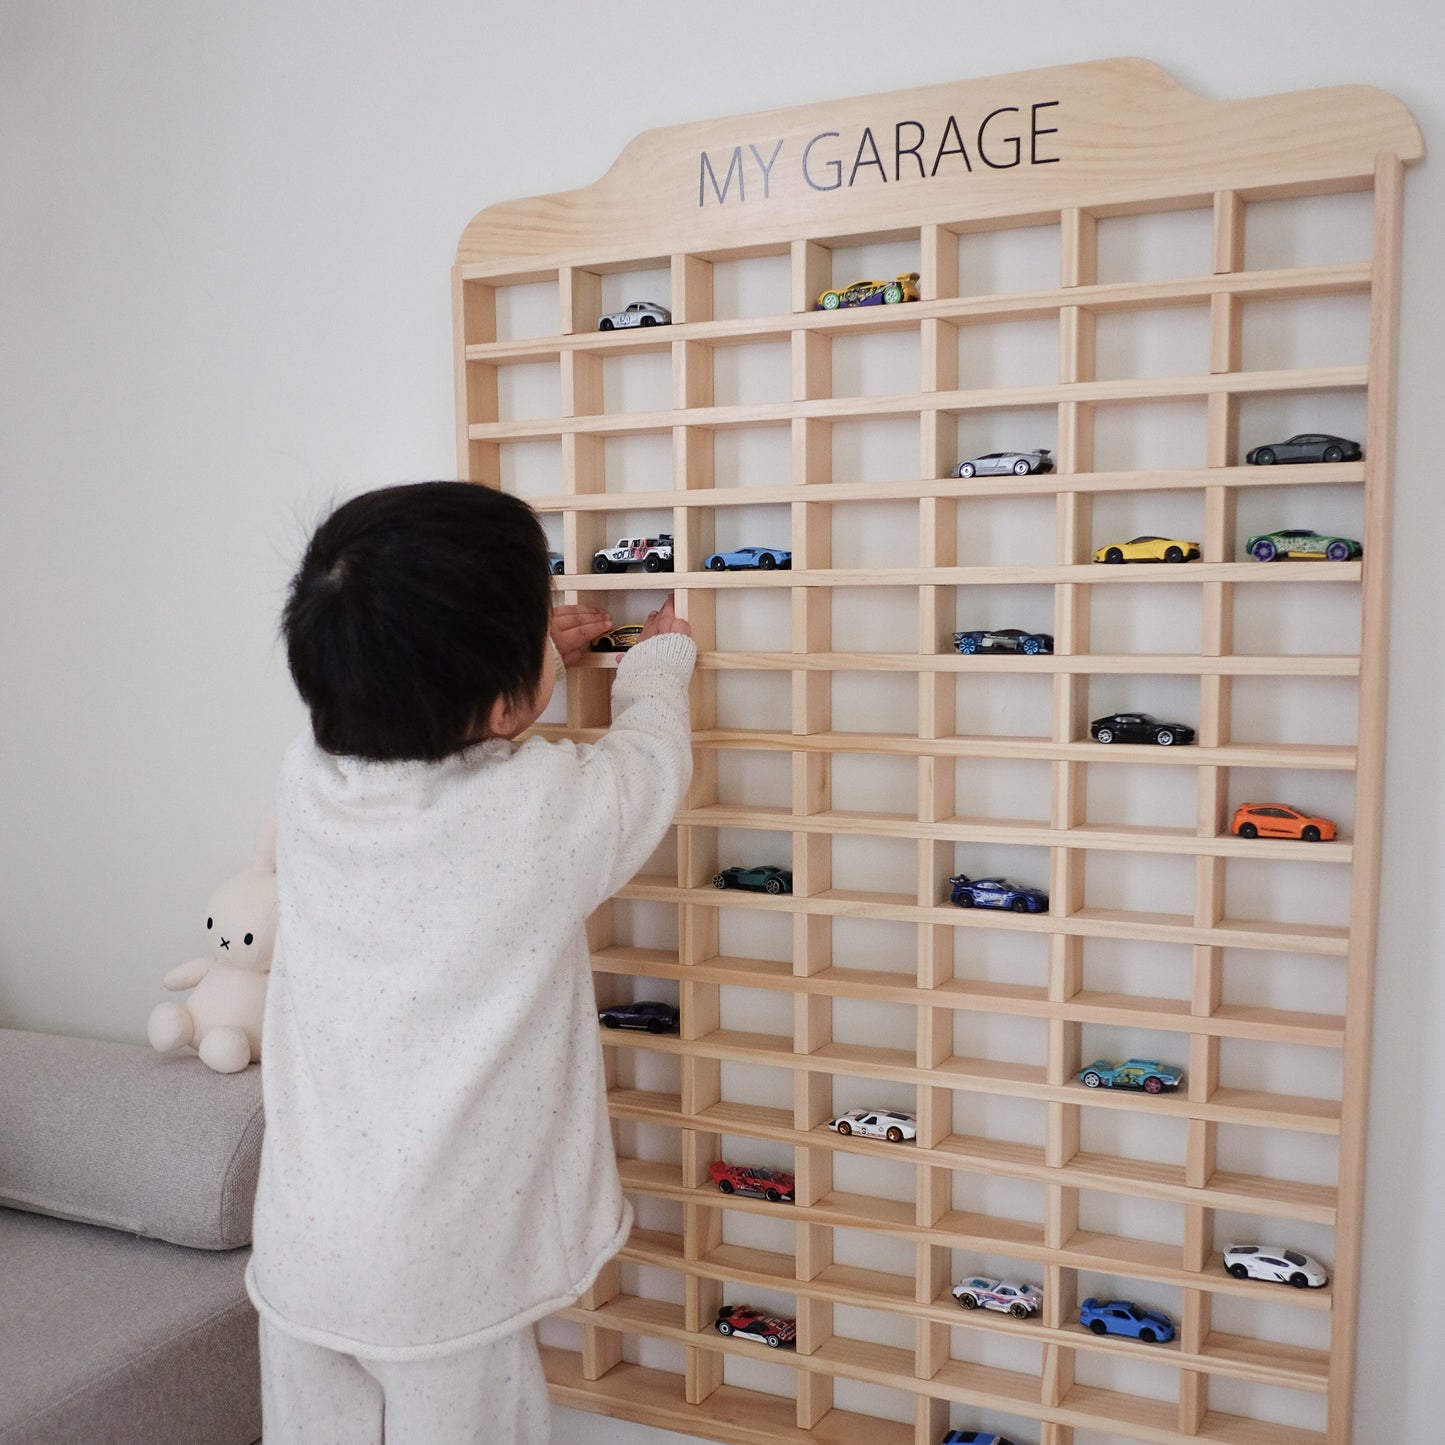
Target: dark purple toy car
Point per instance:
(649, 1014)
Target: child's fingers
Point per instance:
(573, 627)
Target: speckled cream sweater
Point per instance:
(438, 1167)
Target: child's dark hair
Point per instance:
(414, 609)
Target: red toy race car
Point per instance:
(753, 1324)
(771, 1184)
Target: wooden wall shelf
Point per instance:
(1249, 964)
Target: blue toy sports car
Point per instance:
(766, 558)
(1121, 1317)
(996, 893)
(975, 1437)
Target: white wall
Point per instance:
(224, 269)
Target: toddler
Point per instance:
(438, 1170)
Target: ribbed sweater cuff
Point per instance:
(676, 649)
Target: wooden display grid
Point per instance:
(1066, 148)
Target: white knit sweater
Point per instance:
(438, 1167)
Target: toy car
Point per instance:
(649, 1014)
(1139, 727)
(969, 892)
(773, 1184)
(765, 879)
(1018, 1300)
(975, 1437)
(870, 293)
(637, 313)
(997, 464)
(765, 558)
(1274, 1262)
(1004, 639)
(1121, 1317)
(753, 1324)
(554, 560)
(619, 639)
(1149, 549)
(876, 1124)
(1306, 447)
(1299, 544)
(1279, 820)
(1147, 1074)
(652, 554)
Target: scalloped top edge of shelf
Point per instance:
(1111, 135)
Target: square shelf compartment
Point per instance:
(1007, 260)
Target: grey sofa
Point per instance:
(126, 1185)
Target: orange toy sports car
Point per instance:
(1279, 820)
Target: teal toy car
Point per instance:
(755, 880)
(1147, 1074)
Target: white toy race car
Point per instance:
(1005, 1295)
(876, 1124)
(639, 313)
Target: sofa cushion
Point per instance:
(118, 1135)
(113, 1340)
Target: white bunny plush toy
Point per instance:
(222, 1018)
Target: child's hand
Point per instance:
(664, 620)
(573, 628)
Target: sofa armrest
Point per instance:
(119, 1136)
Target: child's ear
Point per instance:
(503, 719)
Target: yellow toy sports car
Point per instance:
(1149, 549)
(871, 293)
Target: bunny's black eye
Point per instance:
(208, 923)
(248, 938)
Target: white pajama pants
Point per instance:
(492, 1394)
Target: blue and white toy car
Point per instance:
(765, 558)
(1122, 1317)
(1005, 1295)
(975, 1437)
(996, 893)
(1147, 1074)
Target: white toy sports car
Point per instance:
(638, 313)
(876, 1124)
(1274, 1262)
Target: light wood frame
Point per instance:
(1094, 141)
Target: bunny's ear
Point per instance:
(263, 860)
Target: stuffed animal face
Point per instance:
(241, 921)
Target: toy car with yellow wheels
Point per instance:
(904, 287)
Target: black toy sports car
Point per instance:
(1139, 727)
